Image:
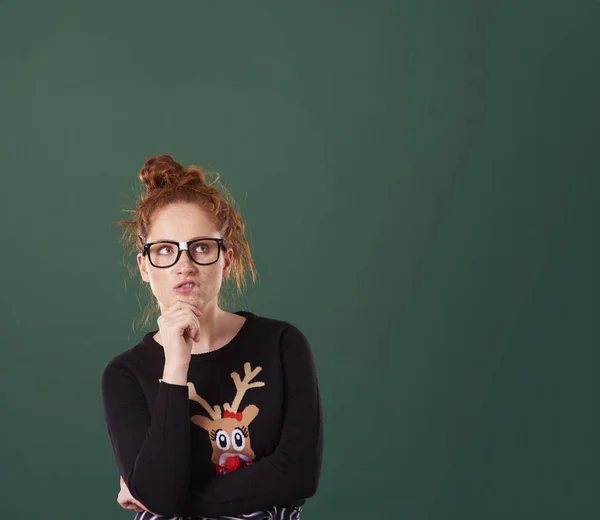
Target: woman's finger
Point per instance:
(181, 305)
(135, 507)
(182, 322)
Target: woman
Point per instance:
(215, 413)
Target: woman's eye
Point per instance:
(165, 250)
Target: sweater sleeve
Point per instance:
(151, 447)
(291, 473)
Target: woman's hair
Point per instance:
(168, 182)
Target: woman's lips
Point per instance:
(185, 289)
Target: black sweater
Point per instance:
(245, 434)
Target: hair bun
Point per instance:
(162, 170)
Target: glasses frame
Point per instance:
(182, 246)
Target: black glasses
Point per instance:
(202, 251)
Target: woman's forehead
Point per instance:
(181, 222)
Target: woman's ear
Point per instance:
(228, 261)
(141, 260)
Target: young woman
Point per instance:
(215, 413)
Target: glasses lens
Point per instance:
(204, 251)
(163, 254)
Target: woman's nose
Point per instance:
(185, 262)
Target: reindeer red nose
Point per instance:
(233, 463)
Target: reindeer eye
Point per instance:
(238, 440)
(222, 440)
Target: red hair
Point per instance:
(168, 182)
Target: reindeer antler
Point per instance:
(214, 413)
(242, 386)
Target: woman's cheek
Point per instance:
(163, 292)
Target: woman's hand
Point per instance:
(179, 327)
(126, 500)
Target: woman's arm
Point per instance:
(292, 472)
(152, 449)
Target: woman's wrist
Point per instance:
(175, 372)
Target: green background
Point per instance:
(420, 185)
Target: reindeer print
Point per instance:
(228, 432)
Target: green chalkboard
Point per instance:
(439, 158)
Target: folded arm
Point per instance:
(151, 448)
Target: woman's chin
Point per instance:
(189, 298)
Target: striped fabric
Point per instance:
(274, 513)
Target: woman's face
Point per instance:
(182, 222)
